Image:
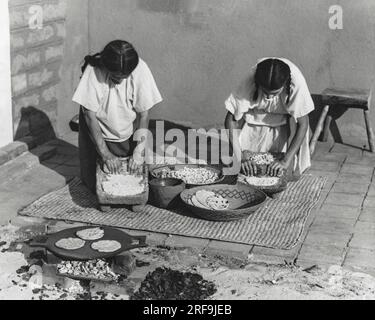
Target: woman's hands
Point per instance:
(248, 167)
(277, 168)
(134, 165)
(111, 164)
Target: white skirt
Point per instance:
(257, 138)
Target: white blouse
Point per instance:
(116, 106)
(270, 112)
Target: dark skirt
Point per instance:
(89, 157)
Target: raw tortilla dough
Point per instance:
(263, 181)
(123, 185)
(106, 246)
(91, 234)
(70, 243)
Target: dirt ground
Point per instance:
(234, 279)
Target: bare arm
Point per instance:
(247, 167)
(143, 120)
(232, 125)
(142, 124)
(302, 128)
(111, 162)
(138, 157)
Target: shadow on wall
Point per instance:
(36, 129)
(35, 123)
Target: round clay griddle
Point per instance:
(85, 253)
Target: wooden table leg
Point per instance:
(327, 126)
(318, 130)
(370, 132)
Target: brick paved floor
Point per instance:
(340, 230)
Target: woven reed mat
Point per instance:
(279, 224)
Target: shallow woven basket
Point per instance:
(243, 201)
(268, 190)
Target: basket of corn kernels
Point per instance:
(262, 160)
(193, 175)
(269, 185)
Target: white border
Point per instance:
(6, 119)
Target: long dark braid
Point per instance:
(256, 93)
(93, 61)
(289, 87)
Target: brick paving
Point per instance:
(367, 215)
(352, 188)
(321, 254)
(340, 230)
(187, 242)
(337, 211)
(235, 250)
(359, 259)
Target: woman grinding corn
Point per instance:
(116, 92)
(270, 108)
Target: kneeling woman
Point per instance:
(270, 108)
(115, 93)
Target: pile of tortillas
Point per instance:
(209, 200)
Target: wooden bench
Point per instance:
(345, 99)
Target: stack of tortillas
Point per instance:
(209, 200)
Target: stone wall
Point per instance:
(37, 49)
